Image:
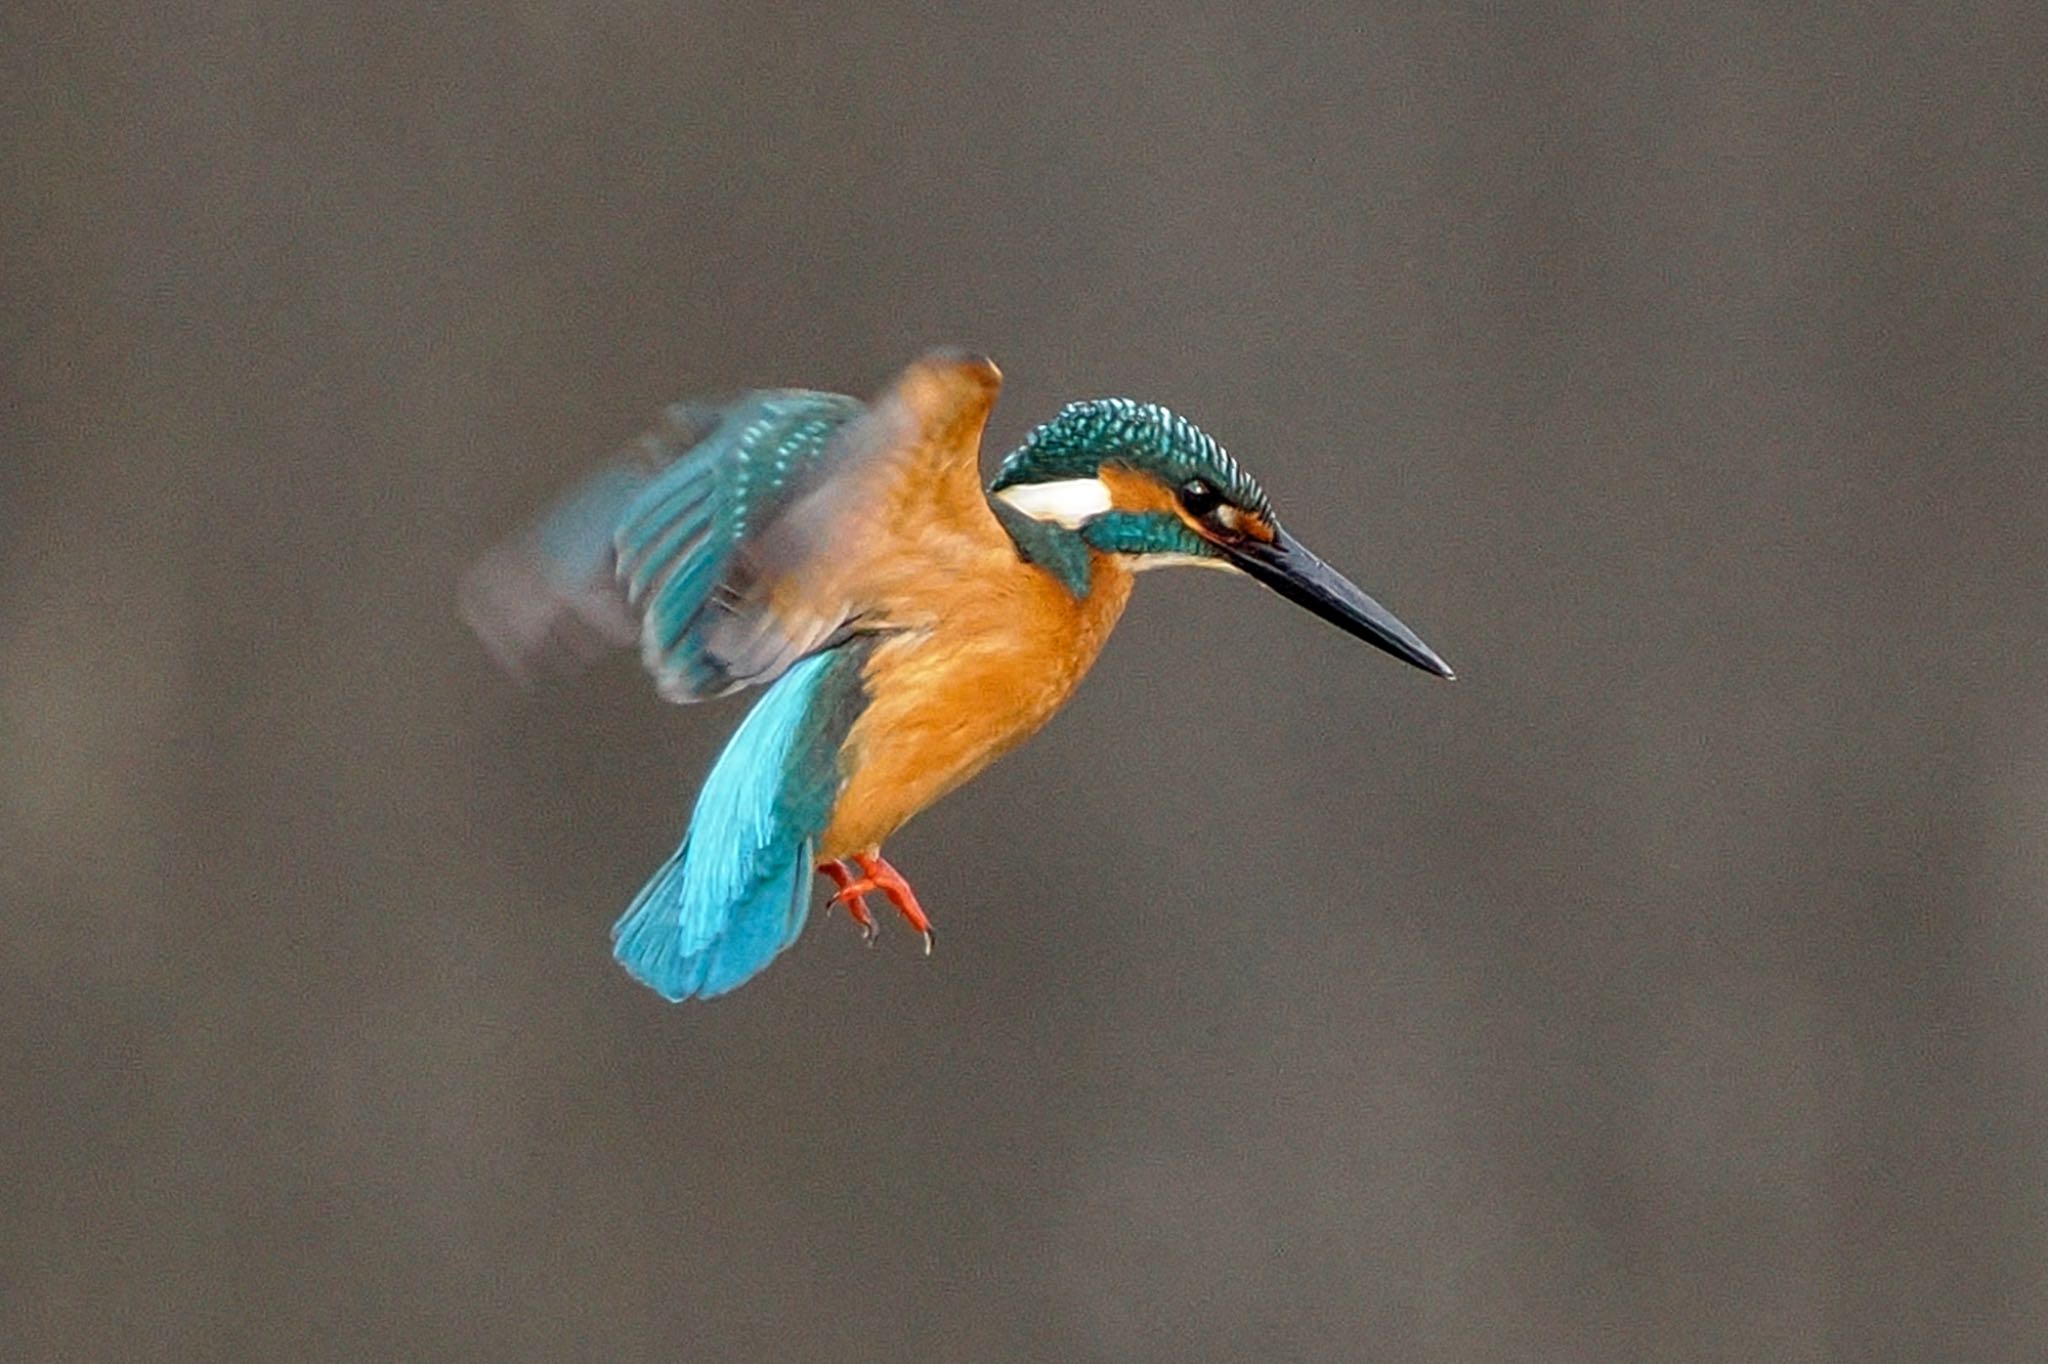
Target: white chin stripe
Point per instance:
(1069, 501)
(1141, 563)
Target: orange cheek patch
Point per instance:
(1131, 491)
(1135, 492)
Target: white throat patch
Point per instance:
(1145, 563)
(1068, 501)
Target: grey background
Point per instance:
(1675, 986)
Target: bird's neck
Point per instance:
(1050, 546)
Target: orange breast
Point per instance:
(1001, 647)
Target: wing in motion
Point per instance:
(737, 538)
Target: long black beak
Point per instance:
(1288, 568)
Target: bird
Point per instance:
(909, 621)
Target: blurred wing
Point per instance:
(748, 536)
(842, 526)
(680, 544)
(548, 598)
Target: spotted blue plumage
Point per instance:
(680, 543)
(737, 891)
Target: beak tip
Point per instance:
(1435, 666)
(1287, 567)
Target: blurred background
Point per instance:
(1675, 986)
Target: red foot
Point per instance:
(849, 894)
(876, 875)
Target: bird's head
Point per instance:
(1135, 480)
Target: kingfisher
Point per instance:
(909, 621)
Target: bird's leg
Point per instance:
(877, 874)
(849, 894)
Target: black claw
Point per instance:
(928, 936)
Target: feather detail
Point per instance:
(683, 543)
(756, 549)
(737, 891)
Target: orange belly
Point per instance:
(1005, 649)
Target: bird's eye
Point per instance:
(1199, 498)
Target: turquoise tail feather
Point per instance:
(737, 892)
(683, 944)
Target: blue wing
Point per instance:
(550, 593)
(740, 537)
(666, 543)
(737, 891)
(682, 544)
